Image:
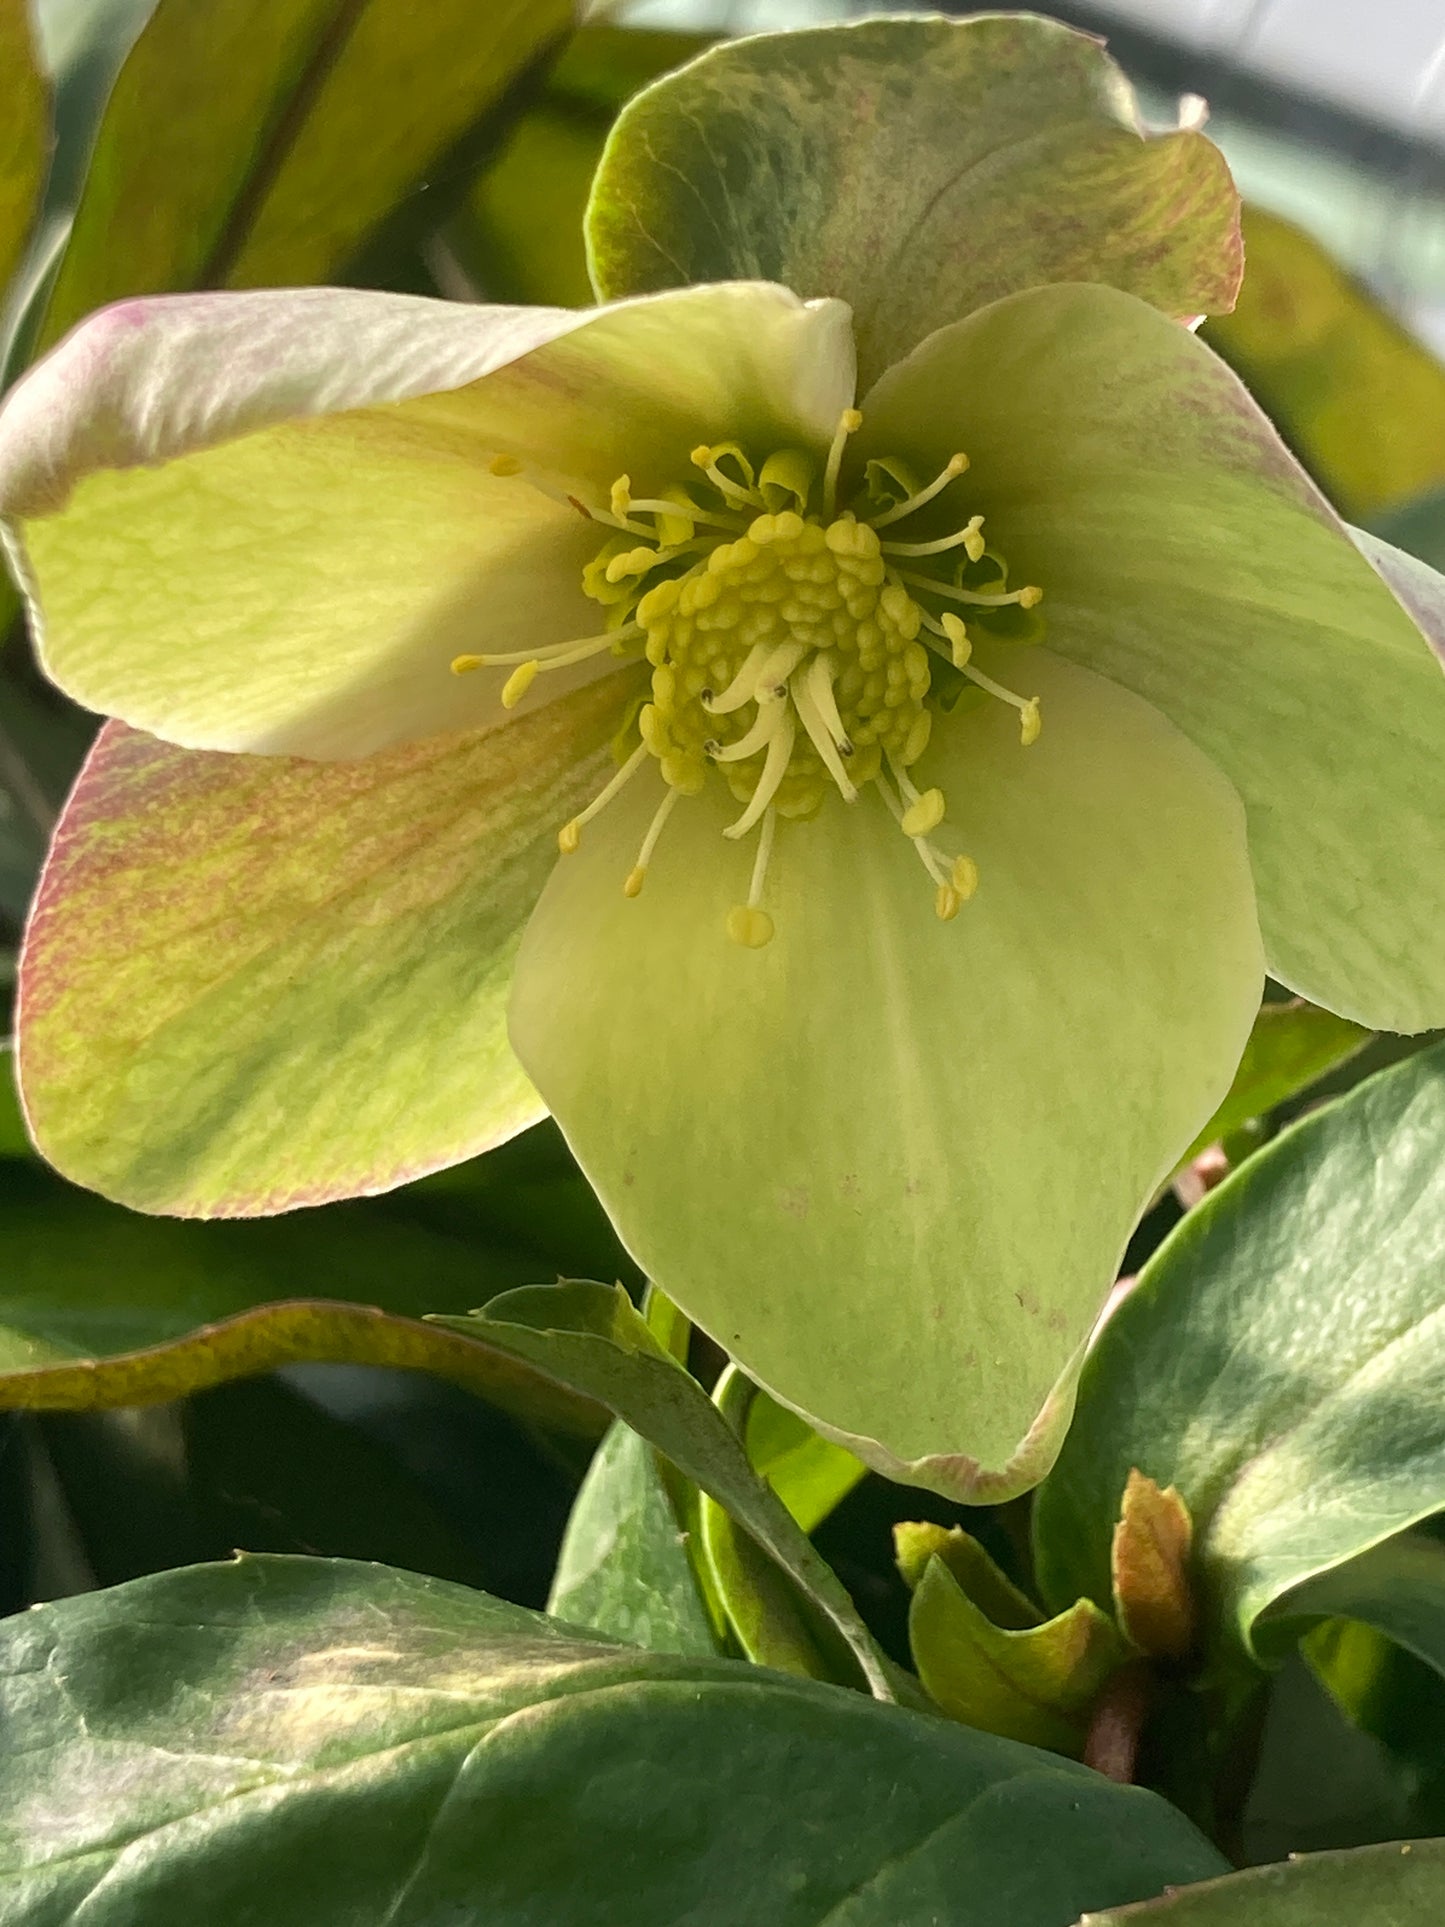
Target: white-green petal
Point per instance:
(1184, 553)
(266, 521)
(891, 1163)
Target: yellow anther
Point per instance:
(918, 735)
(464, 665)
(957, 636)
(952, 469)
(1030, 722)
(660, 601)
(685, 773)
(518, 683)
(749, 926)
(925, 814)
(1030, 597)
(849, 422)
(505, 465)
(631, 562)
(783, 646)
(965, 877)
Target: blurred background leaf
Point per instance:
(24, 132)
(1357, 397)
(259, 142)
(518, 235)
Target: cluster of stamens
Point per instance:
(794, 650)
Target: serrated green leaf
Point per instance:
(624, 1567)
(321, 1744)
(1401, 1884)
(1279, 1361)
(589, 1338)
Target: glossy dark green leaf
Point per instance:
(102, 1307)
(915, 168)
(1279, 1361)
(1292, 1046)
(624, 1567)
(258, 142)
(590, 1339)
(1398, 1588)
(1373, 1630)
(255, 1464)
(1401, 1884)
(296, 1741)
(1318, 1780)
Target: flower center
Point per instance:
(796, 649)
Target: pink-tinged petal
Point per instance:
(1414, 584)
(252, 983)
(915, 168)
(269, 521)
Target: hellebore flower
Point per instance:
(892, 955)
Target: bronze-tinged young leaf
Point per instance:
(349, 928)
(1149, 1561)
(1279, 1362)
(1400, 1884)
(915, 168)
(1361, 402)
(24, 137)
(318, 1744)
(255, 143)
